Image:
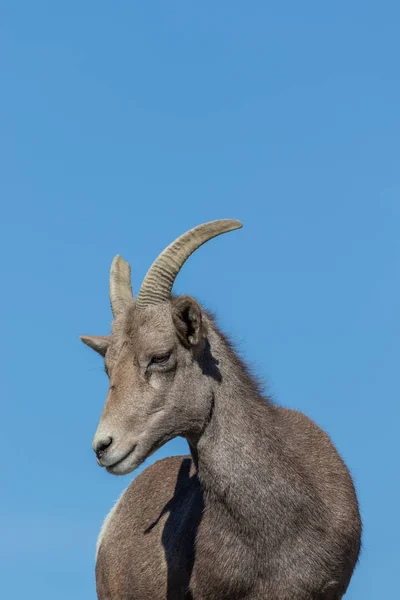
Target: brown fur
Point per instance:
(264, 508)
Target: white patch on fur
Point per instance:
(106, 523)
(155, 381)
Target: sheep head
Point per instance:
(157, 358)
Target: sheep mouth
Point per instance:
(123, 465)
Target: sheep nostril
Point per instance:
(102, 446)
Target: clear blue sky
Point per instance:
(122, 125)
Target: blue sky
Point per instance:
(122, 125)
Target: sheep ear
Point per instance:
(99, 343)
(187, 316)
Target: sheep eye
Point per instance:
(160, 359)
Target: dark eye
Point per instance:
(160, 359)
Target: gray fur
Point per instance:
(263, 508)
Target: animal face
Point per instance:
(157, 390)
(157, 359)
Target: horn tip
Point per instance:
(116, 259)
(225, 224)
(232, 224)
(238, 224)
(117, 262)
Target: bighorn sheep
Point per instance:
(262, 508)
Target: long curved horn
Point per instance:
(120, 285)
(158, 282)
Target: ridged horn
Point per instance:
(120, 285)
(158, 282)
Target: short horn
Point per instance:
(120, 286)
(158, 282)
